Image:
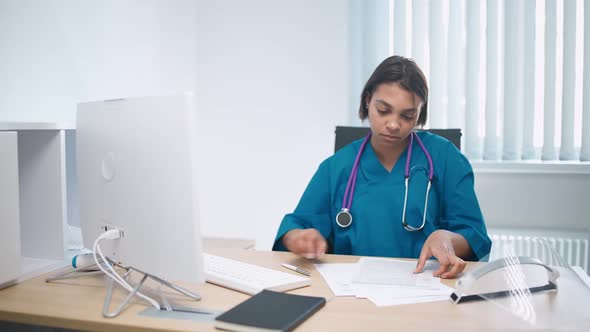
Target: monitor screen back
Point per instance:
(137, 171)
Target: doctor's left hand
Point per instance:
(443, 245)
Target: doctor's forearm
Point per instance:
(461, 246)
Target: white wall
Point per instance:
(541, 198)
(271, 79)
(272, 83)
(56, 53)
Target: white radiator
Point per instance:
(573, 248)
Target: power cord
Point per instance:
(114, 234)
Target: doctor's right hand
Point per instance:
(308, 243)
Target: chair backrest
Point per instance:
(345, 135)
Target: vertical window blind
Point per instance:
(511, 74)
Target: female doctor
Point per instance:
(397, 192)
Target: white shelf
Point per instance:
(39, 197)
(9, 126)
(34, 267)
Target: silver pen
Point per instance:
(296, 269)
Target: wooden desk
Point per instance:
(77, 304)
(212, 243)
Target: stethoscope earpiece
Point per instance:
(344, 217)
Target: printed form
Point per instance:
(385, 281)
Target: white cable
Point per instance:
(112, 235)
(109, 235)
(114, 275)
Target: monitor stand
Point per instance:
(87, 270)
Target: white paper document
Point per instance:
(386, 271)
(384, 281)
(339, 277)
(381, 300)
(398, 292)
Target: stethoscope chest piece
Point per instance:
(344, 218)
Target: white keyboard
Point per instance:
(249, 278)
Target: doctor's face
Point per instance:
(393, 113)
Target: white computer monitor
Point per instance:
(137, 171)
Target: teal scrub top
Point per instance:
(377, 204)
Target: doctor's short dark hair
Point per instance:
(405, 72)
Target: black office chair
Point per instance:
(345, 135)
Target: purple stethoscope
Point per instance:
(344, 218)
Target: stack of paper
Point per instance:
(384, 281)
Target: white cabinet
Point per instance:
(33, 198)
(10, 248)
